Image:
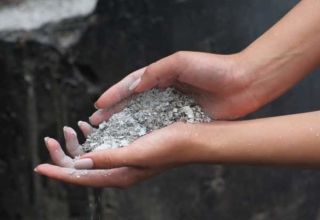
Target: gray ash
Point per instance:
(144, 113)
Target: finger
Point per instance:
(138, 154)
(119, 91)
(56, 153)
(72, 142)
(104, 114)
(161, 73)
(160, 148)
(106, 159)
(86, 128)
(120, 177)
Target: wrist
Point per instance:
(207, 142)
(267, 75)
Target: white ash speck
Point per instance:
(76, 173)
(70, 171)
(144, 113)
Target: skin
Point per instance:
(228, 87)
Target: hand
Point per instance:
(217, 82)
(148, 156)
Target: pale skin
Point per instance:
(228, 87)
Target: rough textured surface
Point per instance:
(144, 113)
(31, 14)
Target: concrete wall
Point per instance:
(45, 85)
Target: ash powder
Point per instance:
(145, 112)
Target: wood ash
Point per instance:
(145, 112)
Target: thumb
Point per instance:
(162, 73)
(107, 159)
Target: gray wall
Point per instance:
(45, 85)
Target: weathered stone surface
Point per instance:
(32, 14)
(46, 84)
(37, 90)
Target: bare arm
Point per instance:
(284, 54)
(292, 140)
(231, 86)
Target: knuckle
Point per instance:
(151, 68)
(179, 61)
(148, 70)
(152, 73)
(107, 160)
(179, 56)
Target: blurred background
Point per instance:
(57, 56)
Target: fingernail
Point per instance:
(95, 106)
(69, 130)
(80, 123)
(135, 84)
(35, 170)
(90, 119)
(85, 163)
(46, 139)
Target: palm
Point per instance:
(215, 81)
(113, 173)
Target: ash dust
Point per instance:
(145, 112)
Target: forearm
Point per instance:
(284, 54)
(292, 140)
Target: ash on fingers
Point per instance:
(145, 112)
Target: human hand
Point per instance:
(147, 156)
(217, 82)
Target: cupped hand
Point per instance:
(217, 82)
(147, 156)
